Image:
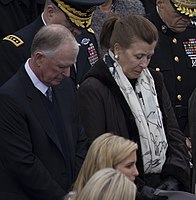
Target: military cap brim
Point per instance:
(185, 7)
(79, 12)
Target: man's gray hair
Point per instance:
(50, 38)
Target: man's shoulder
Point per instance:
(24, 35)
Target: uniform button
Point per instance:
(179, 78)
(174, 40)
(158, 69)
(179, 97)
(176, 58)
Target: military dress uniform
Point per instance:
(175, 57)
(15, 48)
(87, 56)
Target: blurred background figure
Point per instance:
(15, 14)
(111, 8)
(107, 184)
(176, 52)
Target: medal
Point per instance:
(190, 49)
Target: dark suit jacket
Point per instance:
(32, 165)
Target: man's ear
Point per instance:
(159, 4)
(49, 13)
(38, 57)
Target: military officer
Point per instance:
(75, 15)
(175, 55)
(88, 55)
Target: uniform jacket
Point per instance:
(171, 59)
(192, 126)
(13, 56)
(87, 56)
(32, 165)
(104, 109)
(15, 14)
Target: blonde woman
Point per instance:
(108, 151)
(108, 184)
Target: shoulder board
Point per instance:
(90, 30)
(14, 39)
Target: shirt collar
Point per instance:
(36, 82)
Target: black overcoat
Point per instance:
(104, 109)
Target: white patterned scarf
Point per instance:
(148, 117)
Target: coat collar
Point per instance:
(101, 72)
(160, 25)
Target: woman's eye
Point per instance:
(129, 166)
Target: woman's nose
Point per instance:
(144, 63)
(136, 173)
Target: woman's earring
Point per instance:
(116, 57)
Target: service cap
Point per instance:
(79, 12)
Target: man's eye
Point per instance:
(149, 57)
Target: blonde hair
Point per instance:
(107, 151)
(108, 184)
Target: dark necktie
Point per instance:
(49, 94)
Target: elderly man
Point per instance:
(42, 143)
(175, 53)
